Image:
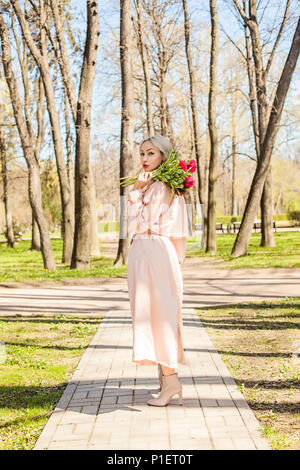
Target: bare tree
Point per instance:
(167, 37)
(41, 57)
(127, 120)
(64, 64)
(35, 237)
(35, 193)
(38, 139)
(211, 207)
(195, 123)
(243, 237)
(236, 111)
(258, 100)
(145, 64)
(81, 250)
(6, 195)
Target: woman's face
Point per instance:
(151, 156)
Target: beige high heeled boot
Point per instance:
(170, 386)
(160, 375)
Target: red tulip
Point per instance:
(189, 182)
(183, 165)
(192, 165)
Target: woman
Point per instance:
(158, 224)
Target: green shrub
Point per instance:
(108, 225)
(294, 216)
(280, 217)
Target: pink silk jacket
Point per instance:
(159, 211)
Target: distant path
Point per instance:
(204, 285)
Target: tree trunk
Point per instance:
(252, 94)
(35, 234)
(23, 61)
(40, 118)
(243, 237)
(262, 106)
(63, 59)
(35, 237)
(195, 126)
(163, 103)
(233, 178)
(35, 193)
(94, 240)
(42, 62)
(266, 204)
(205, 178)
(70, 170)
(81, 250)
(211, 229)
(145, 64)
(6, 199)
(70, 92)
(258, 104)
(127, 123)
(170, 133)
(188, 197)
(35, 197)
(266, 207)
(162, 69)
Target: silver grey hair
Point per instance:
(161, 142)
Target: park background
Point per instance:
(221, 139)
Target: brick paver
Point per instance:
(104, 405)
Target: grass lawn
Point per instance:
(260, 344)
(41, 355)
(20, 264)
(285, 253)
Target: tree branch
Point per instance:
(241, 11)
(241, 153)
(232, 41)
(284, 20)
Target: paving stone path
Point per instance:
(104, 404)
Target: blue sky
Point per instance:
(106, 119)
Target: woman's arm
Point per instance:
(144, 209)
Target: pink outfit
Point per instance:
(158, 225)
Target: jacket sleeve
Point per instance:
(180, 247)
(145, 208)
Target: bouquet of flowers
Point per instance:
(174, 172)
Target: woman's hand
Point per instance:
(143, 179)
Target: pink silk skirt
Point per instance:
(155, 288)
